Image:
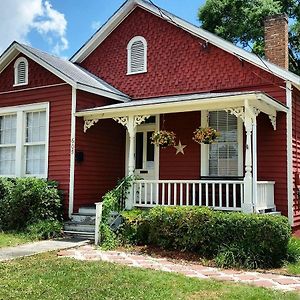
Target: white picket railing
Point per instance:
(218, 194)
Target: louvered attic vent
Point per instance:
(137, 55)
(21, 71)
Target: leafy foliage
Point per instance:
(46, 229)
(112, 201)
(232, 239)
(25, 201)
(241, 22)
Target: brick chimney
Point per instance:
(276, 40)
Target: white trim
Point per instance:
(72, 153)
(205, 148)
(289, 142)
(129, 49)
(130, 5)
(33, 88)
(16, 71)
(21, 111)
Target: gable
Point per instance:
(37, 76)
(178, 62)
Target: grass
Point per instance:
(13, 239)
(47, 276)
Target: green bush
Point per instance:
(232, 239)
(26, 201)
(43, 230)
(293, 252)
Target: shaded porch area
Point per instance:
(238, 190)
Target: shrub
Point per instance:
(43, 230)
(293, 251)
(25, 201)
(134, 229)
(232, 239)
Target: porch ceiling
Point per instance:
(185, 103)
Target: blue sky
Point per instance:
(62, 26)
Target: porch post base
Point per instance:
(129, 200)
(247, 208)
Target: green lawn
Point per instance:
(13, 239)
(47, 276)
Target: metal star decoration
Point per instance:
(179, 148)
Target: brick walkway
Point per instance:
(279, 282)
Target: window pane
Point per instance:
(139, 150)
(8, 127)
(35, 160)
(223, 154)
(7, 160)
(36, 127)
(150, 152)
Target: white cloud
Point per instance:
(19, 18)
(95, 25)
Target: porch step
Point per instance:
(80, 234)
(274, 213)
(88, 219)
(87, 211)
(79, 226)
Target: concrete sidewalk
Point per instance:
(29, 249)
(268, 280)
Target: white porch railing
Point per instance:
(265, 195)
(218, 194)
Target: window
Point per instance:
(137, 55)
(35, 142)
(8, 129)
(223, 155)
(24, 140)
(21, 71)
(222, 158)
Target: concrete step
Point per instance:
(78, 226)
(87, 210)
(80, 234)
(87, 219)
(274, 213)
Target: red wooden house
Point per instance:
(87, 122)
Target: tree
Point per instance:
(241, 22)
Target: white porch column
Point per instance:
(247, 206)
(254, 184)
(131, 133)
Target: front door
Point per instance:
(145, 152)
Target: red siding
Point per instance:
(296, 156)
(59, 98)
(177, 61)
(103, 146)
(37, 76)
(180, 166)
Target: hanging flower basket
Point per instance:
(163, 138)
(206, 135)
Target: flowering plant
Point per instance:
(205, 135)
(163, 138)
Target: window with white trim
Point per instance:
(8, 130)
(35, 143)
(21, 71)
(224, 153)
(137, 55)
(24, 141)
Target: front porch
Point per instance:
(242, 191)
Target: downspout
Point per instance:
(289, 143)
(72, 153)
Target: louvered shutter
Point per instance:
(223, 154)
(137, 57)
(21, 75)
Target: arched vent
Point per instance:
(137, 55)
(21, 71)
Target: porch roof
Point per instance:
(185, 103)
